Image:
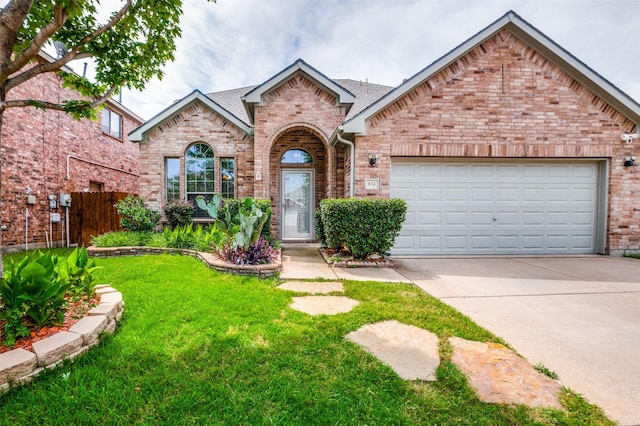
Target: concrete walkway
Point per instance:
(303, 261)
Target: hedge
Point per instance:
(362, 226)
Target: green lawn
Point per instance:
(198, 347)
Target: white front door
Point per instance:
(297, 204)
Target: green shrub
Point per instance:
(178, 213)
(135, 215)
(362, 226)
(319, 227)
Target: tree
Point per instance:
(128, 49)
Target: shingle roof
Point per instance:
(366, 94)
(231, 100)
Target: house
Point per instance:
(505, 145)
(47, 153)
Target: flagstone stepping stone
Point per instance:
(316, 287)
(328, 305)
(500, 376)
(410, 351)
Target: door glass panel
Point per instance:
(296, 204)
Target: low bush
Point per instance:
(319, 227)
(362, 226)
(180, 237)
(136, 216)
(178, 213)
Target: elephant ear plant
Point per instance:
(37, 290)
(243, 230)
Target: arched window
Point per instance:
(199, 163)
(296, 156)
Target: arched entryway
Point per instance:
(300, 175)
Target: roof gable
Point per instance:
(139, 134)
(255, 96)
(531, 36)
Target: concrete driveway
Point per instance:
(579, 316)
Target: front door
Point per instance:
(297, 204)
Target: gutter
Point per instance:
(338, 134)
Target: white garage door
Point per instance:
(496, 208)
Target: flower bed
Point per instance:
(211, 260)
(19, 366)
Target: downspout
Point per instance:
(353, 160)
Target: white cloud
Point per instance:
(236, 43)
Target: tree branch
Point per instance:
(73, 54)
(20, 103)
(59, 18)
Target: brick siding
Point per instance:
(503, 100)
(35, 146)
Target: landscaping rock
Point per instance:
(314, 287)
(318, 305)
(15, 364)
(57, 347)
(410, 351)
(113, 297)
(500, 376)
(90, 328)
(108, 309)
(111, 327)
(103, 289)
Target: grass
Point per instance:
(198, 347)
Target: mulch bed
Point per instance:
(75, 311)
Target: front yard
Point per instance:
(199, 347)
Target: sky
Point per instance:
(236, 43)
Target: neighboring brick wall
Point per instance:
(196, 123)
(35, 146)
(502, 99)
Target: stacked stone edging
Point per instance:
(353, 263)
(19, 366)
(212, 261)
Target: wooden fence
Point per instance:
(92, 214)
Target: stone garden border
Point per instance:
(212, 261)
(383, 262)
(20, 366)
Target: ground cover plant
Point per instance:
(199, 347)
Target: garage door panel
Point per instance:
(497, 208)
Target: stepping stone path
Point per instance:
(496, 373)
(500, 376)
(319, 305)
(410, 351)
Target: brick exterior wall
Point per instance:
(171, 139)
(35, 146)
(503, 100)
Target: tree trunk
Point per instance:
(2, 98)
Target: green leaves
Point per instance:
(243, 224)
(37, 288)
(362, 226)
(135, 215)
